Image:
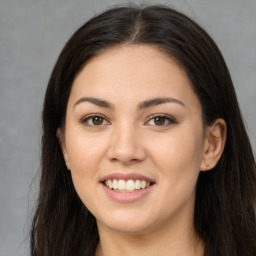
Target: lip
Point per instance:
(126, 176)
(127, 197)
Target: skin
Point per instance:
(131, 140)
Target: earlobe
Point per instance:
(60, 137)
(215, 139)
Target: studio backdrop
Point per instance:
(32, 34)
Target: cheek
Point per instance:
(83, 151)
(84, 158)
(178, 159)
(178, 149)
(84, 154)
(178, 166)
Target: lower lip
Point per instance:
(127, 197)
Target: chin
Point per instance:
(129, 228)
(122, 221)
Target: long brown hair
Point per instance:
(225, 200)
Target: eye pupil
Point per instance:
(97, 120)
(159, 120)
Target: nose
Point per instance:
(126, 145)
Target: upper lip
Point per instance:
(126, 176)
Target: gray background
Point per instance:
(32, 35)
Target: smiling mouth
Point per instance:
(126, 186)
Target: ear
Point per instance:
(60, 137)
(214, 143)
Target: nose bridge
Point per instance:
(126, 143)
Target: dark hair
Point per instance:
(225, 198)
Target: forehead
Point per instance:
(141, 71)
(126, 58)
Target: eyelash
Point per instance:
(167, 118)
(85, 120)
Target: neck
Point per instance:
(175, 241)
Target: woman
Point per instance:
(144, 151)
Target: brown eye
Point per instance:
(95, 121)
(159, 120)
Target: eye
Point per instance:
(161, 120)
(94, 120)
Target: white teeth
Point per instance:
(115, 184)
(121, 185)
(137, 184)
(110, 185)
(127, 186)
(130, 186)
(143, 184)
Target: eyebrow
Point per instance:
(95, 101)
(141, 106)
(158, 101)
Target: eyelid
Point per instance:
(87, 117)
(171, 119)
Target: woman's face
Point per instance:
(134, 140)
